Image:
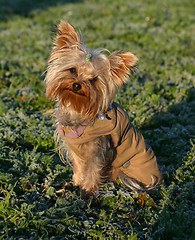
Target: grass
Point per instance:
(35, 200)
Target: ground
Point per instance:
(37, 198)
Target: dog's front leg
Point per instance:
(79, 168)
(88, 170)
(92, 177)
(99, 156)
(94, 168)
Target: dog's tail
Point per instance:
(135, 185)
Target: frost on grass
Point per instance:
(37, 199)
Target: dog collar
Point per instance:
(101, 116)
(75, 133)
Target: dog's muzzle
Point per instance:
(76, 87)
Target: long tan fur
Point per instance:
(83, 83)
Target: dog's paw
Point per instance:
(85, 194)
(77, 180)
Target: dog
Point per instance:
(101, 142)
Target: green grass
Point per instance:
(160, 100)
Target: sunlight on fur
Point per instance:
(96, 132)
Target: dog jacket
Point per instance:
(133, 157)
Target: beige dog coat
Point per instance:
(133, 157)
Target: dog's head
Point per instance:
(82, 80)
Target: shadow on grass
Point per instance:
(182, 113)
(10, 8)
(170, 133)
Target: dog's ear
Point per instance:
(66, 36)
(121, 65)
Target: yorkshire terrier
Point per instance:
(101, 142)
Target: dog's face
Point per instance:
(81, 80)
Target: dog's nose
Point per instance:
(76, 86)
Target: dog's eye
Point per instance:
(93, 79)
(73, 70)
